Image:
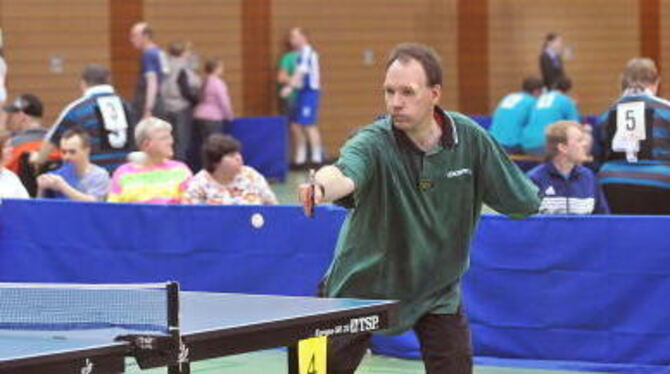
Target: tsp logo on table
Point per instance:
(363, 324)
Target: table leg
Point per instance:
(182, 368)
(292, 353)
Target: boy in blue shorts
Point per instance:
(305, 82)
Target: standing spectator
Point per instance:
(565, 186)
(306, 82)
(287, 64)
(10, 185)
(155, 178)
(78, 179)
(147, 100)
(180, 93)
(225, 179)
(551, 60)
(215, 110)
(552, 106)
(636, 172)
(414, 181)
(102, 113)
(512, 114)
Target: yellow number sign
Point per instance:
(312, 355)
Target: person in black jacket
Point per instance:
(551, 62)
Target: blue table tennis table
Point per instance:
(212, 325)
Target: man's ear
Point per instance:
(562, 147)
(436, 91)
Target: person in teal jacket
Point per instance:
(552, 106)
(512, 114)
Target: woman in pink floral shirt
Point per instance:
(225, 180)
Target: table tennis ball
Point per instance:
(257, 220)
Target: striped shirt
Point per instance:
(162, 184)
(653, 166)
(308, 65)
(106, 150)
(576, 193)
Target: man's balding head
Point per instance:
(140, 34)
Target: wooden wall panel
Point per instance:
(36, 30)
(604, 34)
(214, 28)
(650, 30)
(123, 57)
(473, 56)
(343, 31)
(257, 72)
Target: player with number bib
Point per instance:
(636, 144)
(553, 106)
(512, 114)
(102, 114)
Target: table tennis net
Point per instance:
(50, 307)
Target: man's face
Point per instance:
(15, 121)
(159, 144)
(575, 148)
(5, 154)
(137, 37)
(72, 150)
(297, 39)
(557, 44)
(409, 100)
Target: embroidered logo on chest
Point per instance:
(458, 173)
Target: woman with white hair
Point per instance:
(154, 177)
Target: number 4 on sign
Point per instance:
(312, 355)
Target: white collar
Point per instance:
(99, 89)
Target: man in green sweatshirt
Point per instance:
(414, 182)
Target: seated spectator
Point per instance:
(512, 114)
(225, 179)
(78, 179)
(154, 178)
(10, 185)
(552, 106)
(102, 113)
(24, 122)
(636, 130)
(565, 186)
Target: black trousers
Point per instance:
(446, 346)
(635, 199)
